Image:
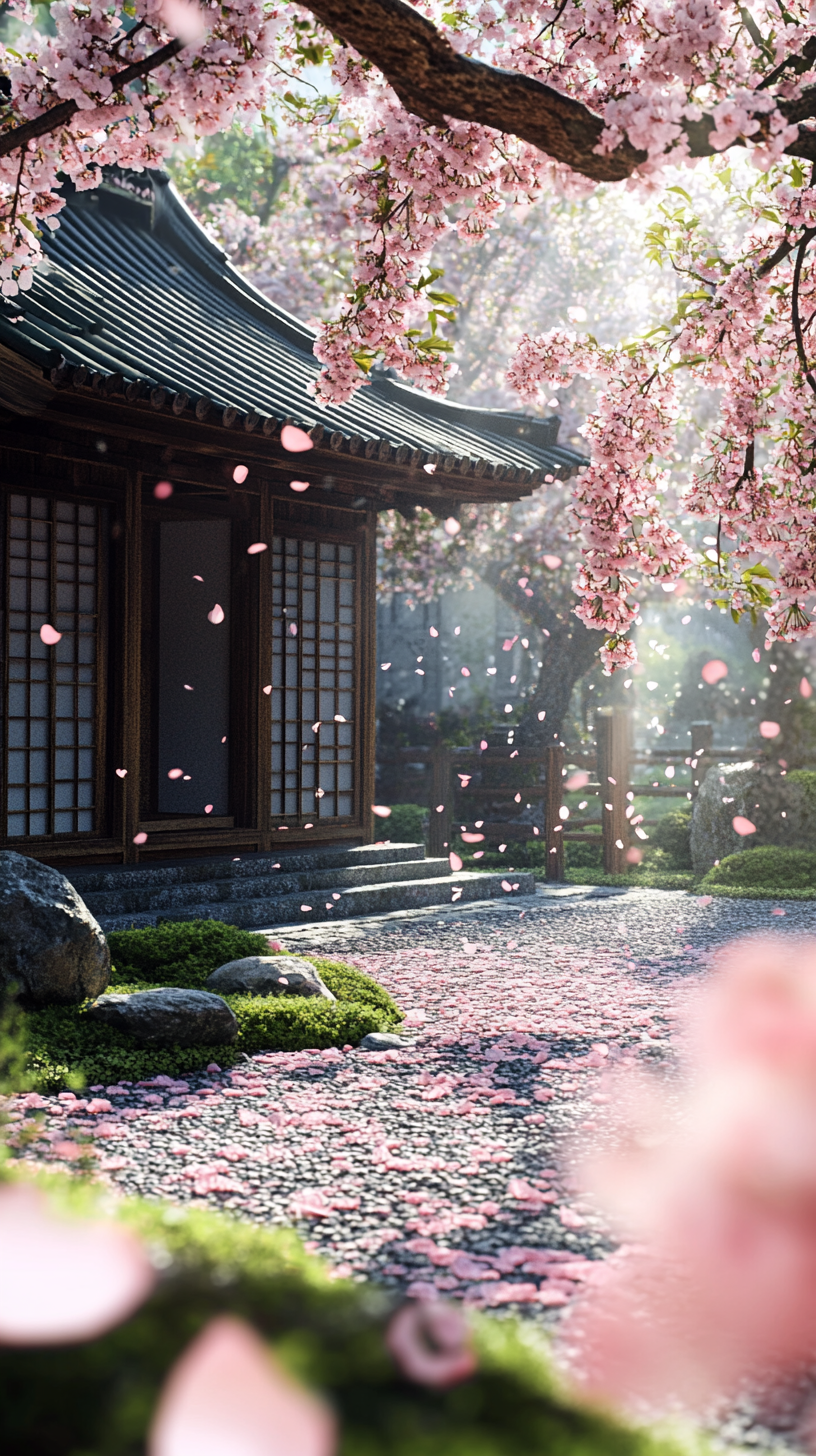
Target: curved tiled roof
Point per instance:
(132, 288)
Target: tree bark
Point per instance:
(434, 82)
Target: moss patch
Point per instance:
(768, 868)
(66, 1046)
(97, 1398)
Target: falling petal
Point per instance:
(49, 635)
(267, 689)
(431, 1344)
(294, 440)
(256, 548)
(452, 526)
(227, 1395)
(553, 562)
(713, 671)
(471, 839)
(338, 718)
(198, 578)
(465, 671)
(175, 773)
(121, 773)
(216, 616)
(188, 687)
(140, 838)
(64, 1280)
(429, 469)
(768, 729)
(316, 727)
(385, 666)
(805, 689)
(742, 826)
(208, 808)
(433, 632)
(240, 474)
(756, 654)
(455, 861)
(299, 485)
(380, 810)
(163, 490)
(184, 19)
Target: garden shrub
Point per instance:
(407, 824)
(767, 871)
(66, 1046)
(672, 836)
(97, 1398)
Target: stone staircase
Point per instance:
(261, 891)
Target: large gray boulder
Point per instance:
(50, 944)
(169, 1016)
(269, 976)
(780, 807)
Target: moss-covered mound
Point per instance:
(66, 1046)
(97, 1398)
(768, 872)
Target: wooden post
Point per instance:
(702, 737)
(612, 733)
(553, 827)
(439, 828)
(367, 691)
(132, 667)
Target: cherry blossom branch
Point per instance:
(434, 81)
(807, 237)
(59, 116)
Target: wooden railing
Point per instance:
(474, 791)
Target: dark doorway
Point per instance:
(194, 667)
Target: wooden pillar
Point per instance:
(702, 737)
(132, 669)
(612, 733)
(263, 781)
(441, 806)
(367, 694)
(554, 828)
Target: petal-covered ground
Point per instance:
(443, 1166)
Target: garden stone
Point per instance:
(269, 976)
(50, 943)
(382, 1041)
(169, 1016)
(746, 786)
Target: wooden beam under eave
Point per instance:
(188, 436)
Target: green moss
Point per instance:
(637, 878)
(768, 867)
(807, 779)
(181, 952)
(97, 1398)
(64, 1043)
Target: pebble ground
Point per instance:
(443, 1167)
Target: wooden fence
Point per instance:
(475, 792)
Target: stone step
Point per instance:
(89, 878)
(146, 899)
(377, 899)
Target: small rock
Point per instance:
(758, 794)
(50, 944)
(382, 1041)
(169, 1016)
(269, 976)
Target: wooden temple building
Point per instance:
(175, 715)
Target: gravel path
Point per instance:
(444, 1166)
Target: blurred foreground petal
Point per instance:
(62, 1280)
(228, 1396)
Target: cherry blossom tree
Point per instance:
(456, 112)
